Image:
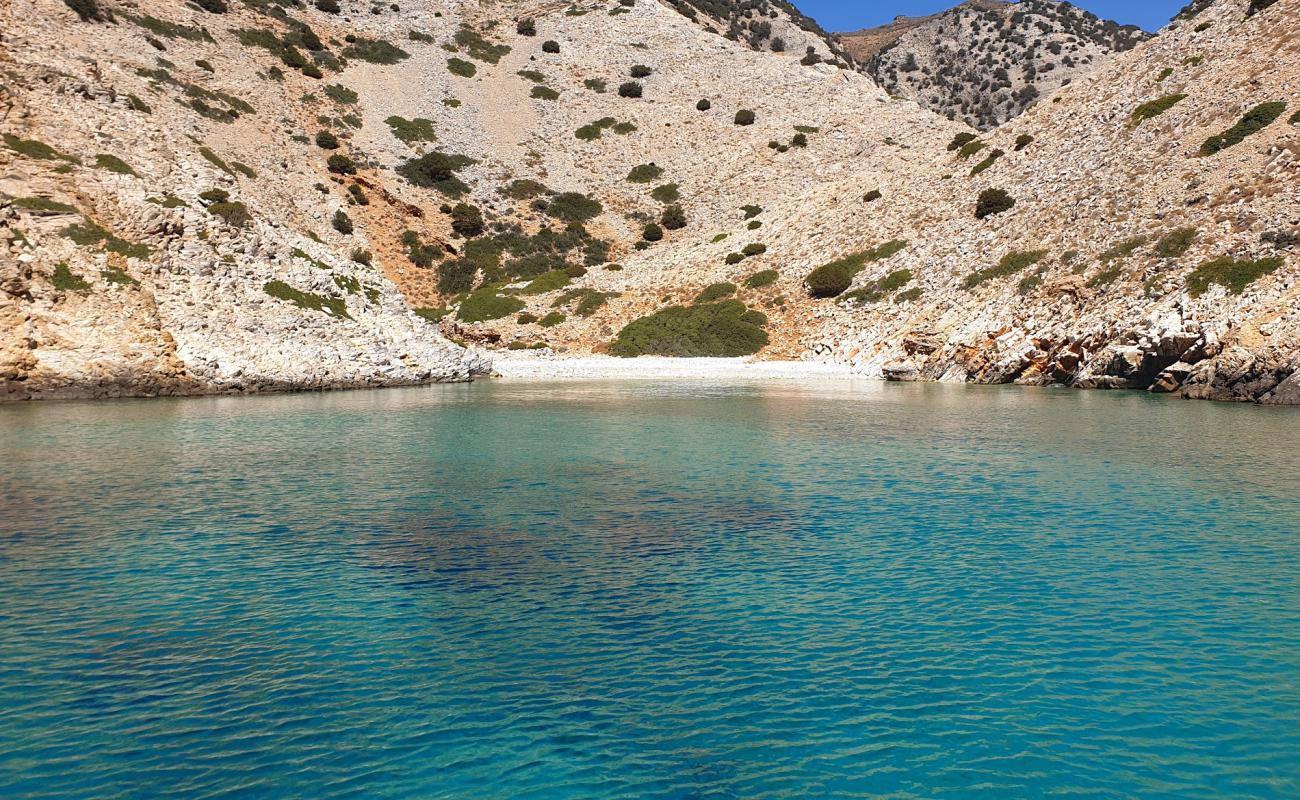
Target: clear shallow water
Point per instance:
(639, 590)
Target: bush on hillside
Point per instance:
(629, 89)
(550, 46)
(716, 291)
(1253, 121)
(340, 164)
(1154, 108)
(342, 222)
(640, 71)
(485, 304)
(526, 27)
(644, 173)
(1023, 141)
(673, 218)
(724, 329)
(703, 105)
(466, 220)
(327, 140)
(761, 278)
(1233, 275)
(744, 117)
(652, 233)
(992, 201)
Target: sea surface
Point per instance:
(650, 590)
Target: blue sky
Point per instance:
(850, 15)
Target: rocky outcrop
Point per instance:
(985, 61)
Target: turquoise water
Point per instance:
(641, 590)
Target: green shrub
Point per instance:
(1104, 278)
(235, 214)
(1124, 249)
(215, 195)
(908, 296)
(551, 320)
(595, 84)
(44, 204)
(762, 278)
(32, 148)
(1011, 263)
(716, 291)
(703, 105)
(724, 329)
(376, 51)
(993, 155)
(1253, 121)
(88, 234)
(461, 67)
(547, 282)
(526, 27)
(436, 170)
(544, 93)
(734, 258)
(358, 196)
(1175, 243)
(1023, 141)
(640, 71)
(644, 173)
(342, 222)
(550, 46)
(87, 10)
(652, 233)
(992, 201)
(117, 277)
(114, 164)
(960, 140)
(466, 220)
(327, 140)
(970, 149)
(666, 193)
(340, 164)
(531, 75)
(673, 218)
(334, 306)
(456, 276)
(1235, 276)
(1295, 119)
(1164, 73)
(340, 94)
(411, 131)
(526, 318)
(751, 211)
(753, 249)
(744, 117)
(479, 47)
(432, 315)
(328, 6)
(799, 140)
(872, 195)
(629, 89)
(64, 281)
(573, 207)
(486, 304)
(524, 189)
(834, 278)
(1154, 108)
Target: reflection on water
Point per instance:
(642, 589)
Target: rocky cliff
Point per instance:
(985, 61)
(248, 195)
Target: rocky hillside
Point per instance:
(985, 61)
(774, 25)
(248, 195)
